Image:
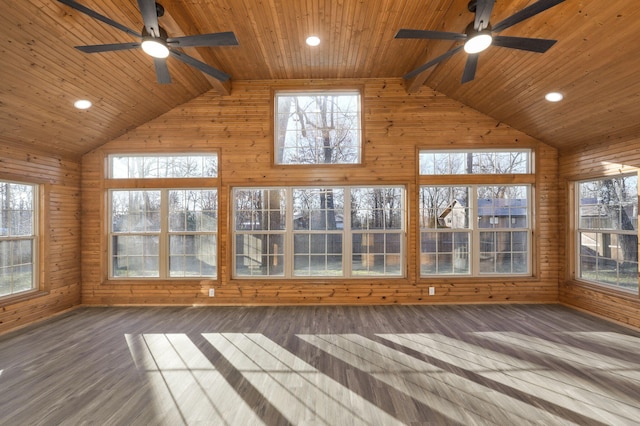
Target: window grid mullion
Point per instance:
(474, 244)
(347, 236)
(163, 238)
(289, 256)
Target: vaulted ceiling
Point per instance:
(595, 63)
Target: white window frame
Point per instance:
(34, 237)
(286, 254)
(474, 232)
(280, 140)
(580, 231)
(202, 177)
(163, 234)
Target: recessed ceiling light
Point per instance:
(313, 40)
(82, 104)
(554, 96)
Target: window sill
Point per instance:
(160, 282)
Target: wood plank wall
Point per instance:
(396, 125)
(606, 159)
(60, 237)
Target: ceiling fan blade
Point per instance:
(162, 71)
(99, 48)
(149, 16)
(470, 68)
(431, 63)
(215, 39)
(483, 13)
(539, 45)
(99, 17)
(213, 72)
(525, 13)
(432, 35)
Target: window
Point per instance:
(163, 232)
(475, 229)
(319, 232)
(18, 237)
(445, 230)
(607, 234)
(163, 166)
(458, 162)
(318, 128)
(496, 242)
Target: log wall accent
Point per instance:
(60, 234)
(239, 127)
(608, 159)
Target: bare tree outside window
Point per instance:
(475, 162)
(334, 231)
(318, 128)
(193, 225)
(260, 219)
(377, 221)
(135, 233)
(445, 230)
(161, 232)
(17, 237)
(318, 222)
(607, 236)
(163, 166)
(475, 229)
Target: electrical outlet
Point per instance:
(212, 292)
(432, 291)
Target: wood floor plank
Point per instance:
(449, 365)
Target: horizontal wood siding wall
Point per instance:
(606, 159)
(396, 125)
(60, 234)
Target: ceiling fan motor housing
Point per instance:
(163, 34)
(159, 10)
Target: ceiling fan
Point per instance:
(479, 35)
(155, 41)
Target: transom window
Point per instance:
(163, 166)
(607, 235)
(319, 232)
(318, 127)
(18, 237)
(168, 232)
(459, 162)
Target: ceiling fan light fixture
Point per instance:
(155, 47)
(478, 42)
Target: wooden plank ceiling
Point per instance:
(594, 63)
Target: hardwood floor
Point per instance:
(377, 365)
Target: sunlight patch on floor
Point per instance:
(586, 360)
(584, 397)
(451, 395)
(299, 391)
(615, 340)
(186, 387)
